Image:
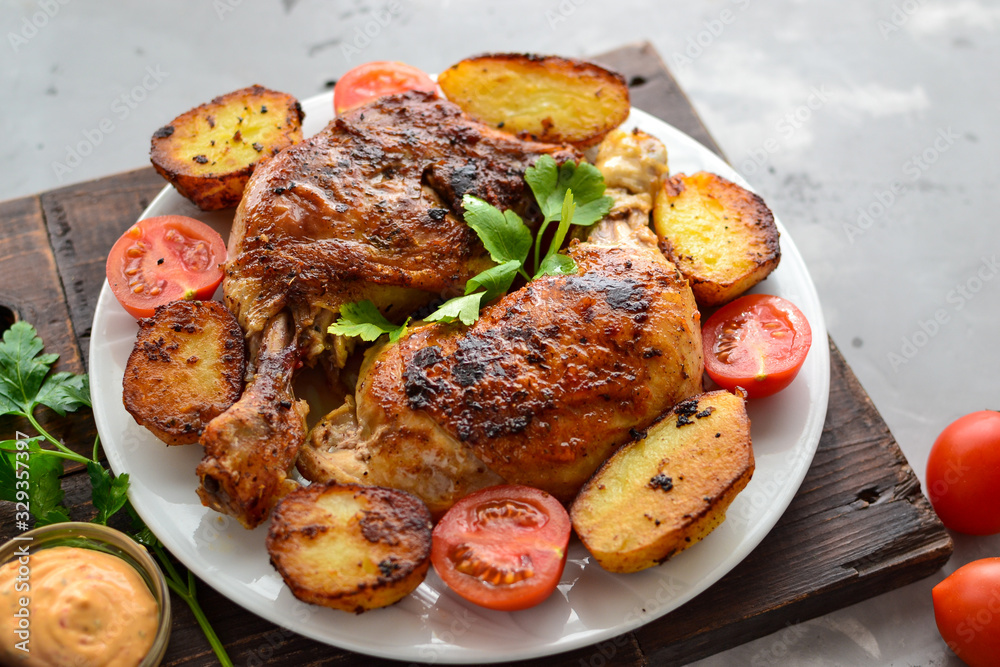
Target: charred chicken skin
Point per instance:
(370, 208)
(545, 385)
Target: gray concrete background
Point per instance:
(869, 126)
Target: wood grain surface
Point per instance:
(858, 526)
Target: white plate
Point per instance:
(434, 625)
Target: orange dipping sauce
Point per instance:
(85, 608)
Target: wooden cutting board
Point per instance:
(859, 525)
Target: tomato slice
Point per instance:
(163, 259)
(503, 547)
(366, 82)
(757, 342)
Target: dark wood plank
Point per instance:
(32, 292)
(84, 221)
(858, 526)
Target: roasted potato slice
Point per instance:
(543, 98)
(209, 152)
(721, 236)
(350, 547)
(186, 368)
(668, 489)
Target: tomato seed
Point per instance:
(467, 562)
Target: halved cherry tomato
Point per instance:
(967, 612)
(757, 342)
(162, 259)
(503, 547)
(963, 474)
(371, 80)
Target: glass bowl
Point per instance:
(111, 541)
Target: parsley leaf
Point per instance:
(552, 185)
(587, 184)
(496, 280)
(463, 308)
(363, 319)
(38, 474)
(590, 212)
(23, 382)
(557, 265)
(545, 178)
(108, 494)
(8, 475)
(22, 369)
(45, 488)
(504, 235)
(64, 392)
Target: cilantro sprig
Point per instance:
(570, 194)
(27, 383)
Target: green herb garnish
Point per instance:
(30, 473)
(581, 186)
(571, 194)
(362, 319)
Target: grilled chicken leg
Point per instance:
(250, 448)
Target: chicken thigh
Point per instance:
(542, 388)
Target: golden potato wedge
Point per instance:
(209, 152)
(721, 236)
(186, 368)
(350, 547)
(668, 489)
(543, 98)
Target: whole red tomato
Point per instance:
(967, 611)
(963, 474)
